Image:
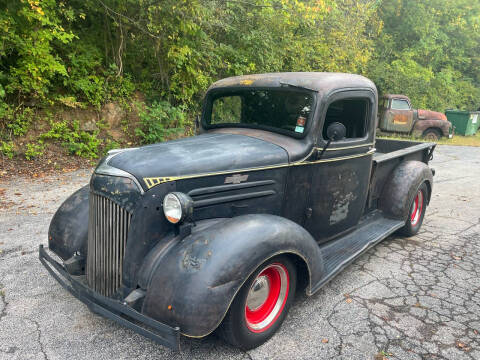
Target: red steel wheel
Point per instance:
(417, 208)
(267, 297)
(417, 212)
(260, 306)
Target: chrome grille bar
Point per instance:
(107, 238)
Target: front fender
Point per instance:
(193, 285)
(422, 125)
(68, 231)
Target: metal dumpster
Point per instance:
(465, 122)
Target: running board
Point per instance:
(339, 253)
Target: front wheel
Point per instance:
(261, 305)
(417, 212)
(432, 134)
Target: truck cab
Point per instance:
(288, 116)
(283, 187)
(396, 115)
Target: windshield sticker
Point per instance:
(301, 121)
(299, 129)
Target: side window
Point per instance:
(398, 104)
(227, 109)
(350, 112)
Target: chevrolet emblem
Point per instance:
(236, 179)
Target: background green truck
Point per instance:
(395, 114)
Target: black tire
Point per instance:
(432, 134)
(235, 329)
(417, 212)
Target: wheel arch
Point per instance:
(400, 189)
(440, 126)
(437, 129)
(303, 271)
(429, 183)
(68, 230)
(207, 270)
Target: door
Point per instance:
(340, 178)
(399, 117)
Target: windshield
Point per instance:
(286, 111)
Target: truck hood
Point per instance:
(203, 154)
(431, 115)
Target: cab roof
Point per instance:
(321, 82)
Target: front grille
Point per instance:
(107, 236)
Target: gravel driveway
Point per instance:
(414, 298)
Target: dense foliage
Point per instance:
(84, 53)
(430, 50)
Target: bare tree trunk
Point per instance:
(120, 51)
(109, 32)
(105, 38)
(161, 66)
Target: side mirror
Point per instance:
(336, 131)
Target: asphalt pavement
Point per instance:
(415, 298)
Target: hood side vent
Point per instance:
(228, 187)
(221, 194)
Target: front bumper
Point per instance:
(110, 308)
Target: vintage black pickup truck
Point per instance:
(283, 188)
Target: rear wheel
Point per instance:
(417, 212)
(432, 134)
(261, 305)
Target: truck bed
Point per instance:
(388, 155)
(390, 149)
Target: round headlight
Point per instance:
(177, 206)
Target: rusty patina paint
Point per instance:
(431, 115)
(400, 119)
(422, 125)
(411, 121)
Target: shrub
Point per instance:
(34, 151)
(110, 145)
(118, 88)
(6, 149)
(160, 122)
(86, 145)
(6, 116)
(20, 121)
(76, 141)
(91, 82)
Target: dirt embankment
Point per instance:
(113, 125)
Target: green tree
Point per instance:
(430, 51)
(31, 33)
